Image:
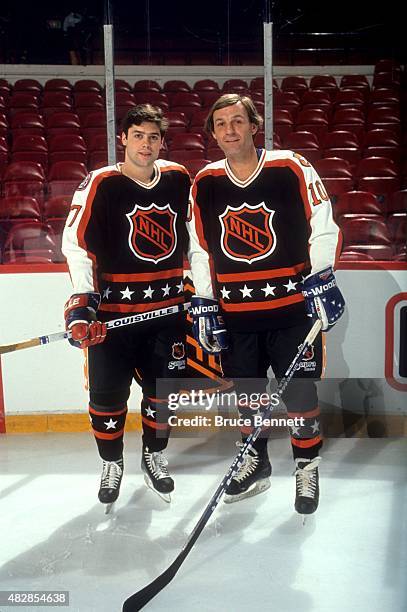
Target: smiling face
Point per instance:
(233, 130)
(142, 144)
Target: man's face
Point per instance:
(142, 144)
(233, 130)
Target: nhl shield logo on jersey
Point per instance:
(152, 235)
(247, 232)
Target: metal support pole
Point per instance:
(109, 86)
(268, 84)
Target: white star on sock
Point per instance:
(148, 293)
(150, 412)
(126, 294)
(180, 287)
(315, 427)
(107, 292)
(246, 292)
(110, 424)
(166, 290)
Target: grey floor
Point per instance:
(253, 555)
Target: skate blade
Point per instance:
(164, 496)
(258, 487)
(109, 507)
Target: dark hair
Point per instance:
(229, 100)
(145, 112)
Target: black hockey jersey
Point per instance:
(253, 242)
(126, 240)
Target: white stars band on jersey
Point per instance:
(126, 294)
(268, 290)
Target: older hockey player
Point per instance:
(264, 220)
(124, 240)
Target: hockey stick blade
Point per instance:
(138, 600)
(130, 320)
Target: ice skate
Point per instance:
(112, 474)
(306, 485)
(156, 475)
(252, 477)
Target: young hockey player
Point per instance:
(124, 240)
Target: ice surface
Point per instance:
(253, 555)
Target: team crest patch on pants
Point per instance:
(178, 353)
(178, 350)
(308, 363)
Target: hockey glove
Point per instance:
(207, 324)
(323, 300)
(80, 320)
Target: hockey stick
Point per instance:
(130, 320)
(138, 600)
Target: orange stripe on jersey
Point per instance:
(140, 307)
(169, 168)
(306, 443)
(310, 414)
(125, 278)
(153, 424)
(83, 223)
(98, 413)
(262, 274)
(108, 436)
(278, 303)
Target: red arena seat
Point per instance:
(67, 147)
(378, 175)
(62, 85)
(397, 202)
(24, 179)
(28, 85)
(64, 177)
(336, 174)
(30, 148)
(146, 85)
(358, 203)
(305, 143)
(86, 85)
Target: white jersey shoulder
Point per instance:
(164, 164)
(217, 165)
(84, 187)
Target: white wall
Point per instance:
(49, 378)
